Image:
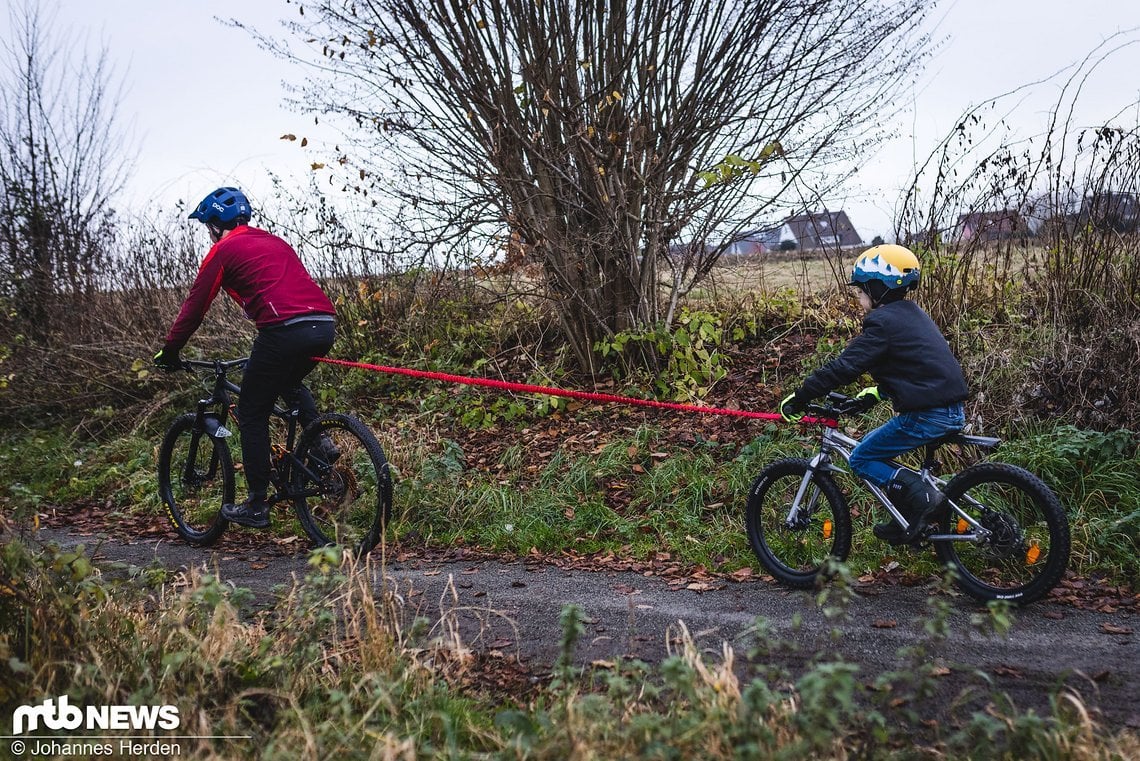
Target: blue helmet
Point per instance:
(224, 208)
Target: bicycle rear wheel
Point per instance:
(795, 553)
(1027, 549)
(343, 498)
(195, 477)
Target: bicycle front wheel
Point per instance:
(795, 549)
(1024, 549)
(342, 489)
(195, 477)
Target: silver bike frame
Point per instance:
(835, 442)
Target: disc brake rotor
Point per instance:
(1006, 537)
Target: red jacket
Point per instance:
(260, 272)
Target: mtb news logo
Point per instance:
(58, 714)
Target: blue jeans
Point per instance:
(901, 434)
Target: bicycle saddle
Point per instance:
(957, 437)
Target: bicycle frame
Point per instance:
(213, 412)
(834, 442)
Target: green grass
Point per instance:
(636, 495)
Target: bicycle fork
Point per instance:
(822, 461)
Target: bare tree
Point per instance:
(619, 144)
(61, 161)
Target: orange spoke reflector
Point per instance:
(827, 528)
(1032, 553)
(962, 526)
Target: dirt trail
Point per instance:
(512, 608)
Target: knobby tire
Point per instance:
(1030, 547)
(347, 502)
(796, 555)
(194, 492)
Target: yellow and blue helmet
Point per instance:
(896, 267)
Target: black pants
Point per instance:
(278, 362)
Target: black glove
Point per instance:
(793, 406)
(167, 359)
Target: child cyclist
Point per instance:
(910, 359)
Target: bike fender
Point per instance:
(213, 427)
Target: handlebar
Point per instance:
(218, 366)
(835, 405)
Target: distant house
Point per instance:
(985, 226)
(820, 230)
(831, 230)
(754, 242)
(1110, 210)
(804, 232)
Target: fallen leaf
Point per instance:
(1114, 629)
(885, 623)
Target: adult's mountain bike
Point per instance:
(333, 472)
(1001, 528)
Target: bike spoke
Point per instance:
(1014, 534)
(195, 479)
(343, 499)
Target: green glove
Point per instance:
(792, 408)
(867, 398)
(167, 359)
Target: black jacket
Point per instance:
(904, 352)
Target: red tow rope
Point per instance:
(527, 388)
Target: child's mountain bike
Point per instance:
(1001, 528)
(334, 472)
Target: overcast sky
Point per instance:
(207, 105)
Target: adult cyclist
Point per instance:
(295, 322)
